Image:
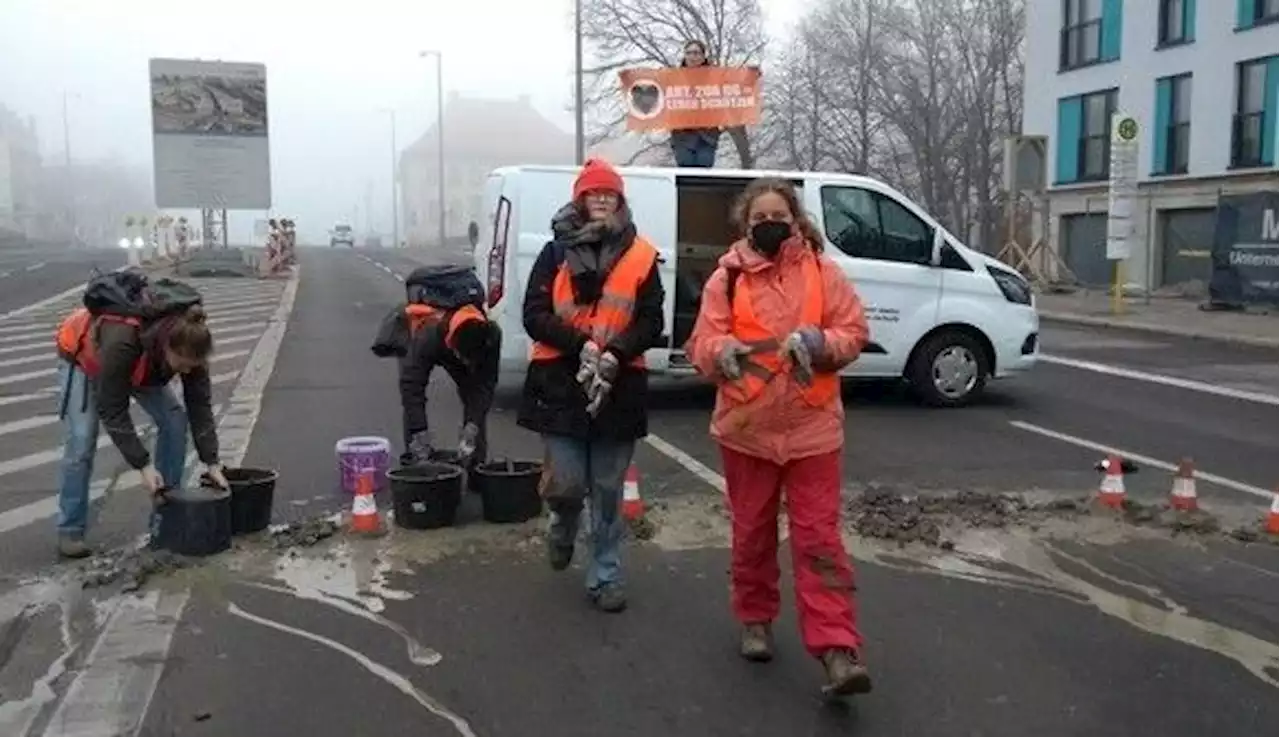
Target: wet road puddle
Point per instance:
(356, 578)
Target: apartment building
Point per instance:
(1200, 79)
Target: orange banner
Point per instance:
(704, 97)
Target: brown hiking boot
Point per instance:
(757, 643)
(846, 674)
(73, 548)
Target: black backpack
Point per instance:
(131, 293)
(446, 287)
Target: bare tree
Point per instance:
(628, 33)
(920, 93)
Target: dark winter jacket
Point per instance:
(475, 384)
(553, 402)
(119, 347)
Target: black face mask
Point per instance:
(768, 237)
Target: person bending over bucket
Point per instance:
(593, 305)
(442, 324)
(778, 321)
(128, 341)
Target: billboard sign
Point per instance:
(1246, 246)
(209, 135)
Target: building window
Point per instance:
(1177, 22)
(1095, 135)
(1252, 129)
(1250, 13)
(1171, 149)
(1081, 33)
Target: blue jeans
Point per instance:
(595, 471)
(80, 442)
(701, 155)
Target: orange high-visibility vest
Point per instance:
(76, 344)
(766, 360)
(421, 316)
(608, 318)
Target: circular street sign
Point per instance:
(1128, 129)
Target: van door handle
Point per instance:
(662, 259)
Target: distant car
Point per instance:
(342, 235)
(373, 241)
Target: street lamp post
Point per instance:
(579, 134)
(71, 190)
(439, 57)
(395, 183)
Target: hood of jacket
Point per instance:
(742, 257)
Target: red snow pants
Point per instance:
(823, 575)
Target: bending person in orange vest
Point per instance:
(441, 324)
(593, 306)
(129, 342)
(778, 321)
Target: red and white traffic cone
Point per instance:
(1111, 490)
(1183, 494)
(365, 519)
(1273, 517)
(632, 504)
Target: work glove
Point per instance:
(602, 383)
(214, 474)
(152, 481)
(467, 441)
(730, 359)
(588, 362)
(804, 345)
(420, 446)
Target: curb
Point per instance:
(1178, 332)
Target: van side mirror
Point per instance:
(939, 242)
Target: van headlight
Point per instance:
(1012, 285)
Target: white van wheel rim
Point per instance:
(955, 371)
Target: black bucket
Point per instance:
(253, 492)
(425, 496)
(194, 522)
(454, 458)
(509, 490)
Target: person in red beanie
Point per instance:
(592, 307)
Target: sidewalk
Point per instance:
(1168, 316)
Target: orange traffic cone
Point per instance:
(1183, 495)
(1111, 490)
(1273, 517)
(632, 504)
(364, 508)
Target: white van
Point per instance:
(943, 316)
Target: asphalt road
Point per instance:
(1081, 627)
(30, 274)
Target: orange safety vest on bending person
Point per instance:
(76, 344)
(608, 318)
(766, 360)
(421, 316)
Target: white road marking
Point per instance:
(1145, 460)
(31, 423)
(111, 694)
(1171, 381)
(119, 679)
(36, 266)
(693, 465)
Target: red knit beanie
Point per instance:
(597, 175)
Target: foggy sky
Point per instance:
(329, 73)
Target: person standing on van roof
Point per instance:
(593, 307)
(778, 321)
(695, 147)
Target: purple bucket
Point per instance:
(363, 455)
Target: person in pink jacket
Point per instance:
(778, 321)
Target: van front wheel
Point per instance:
(948, 370)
